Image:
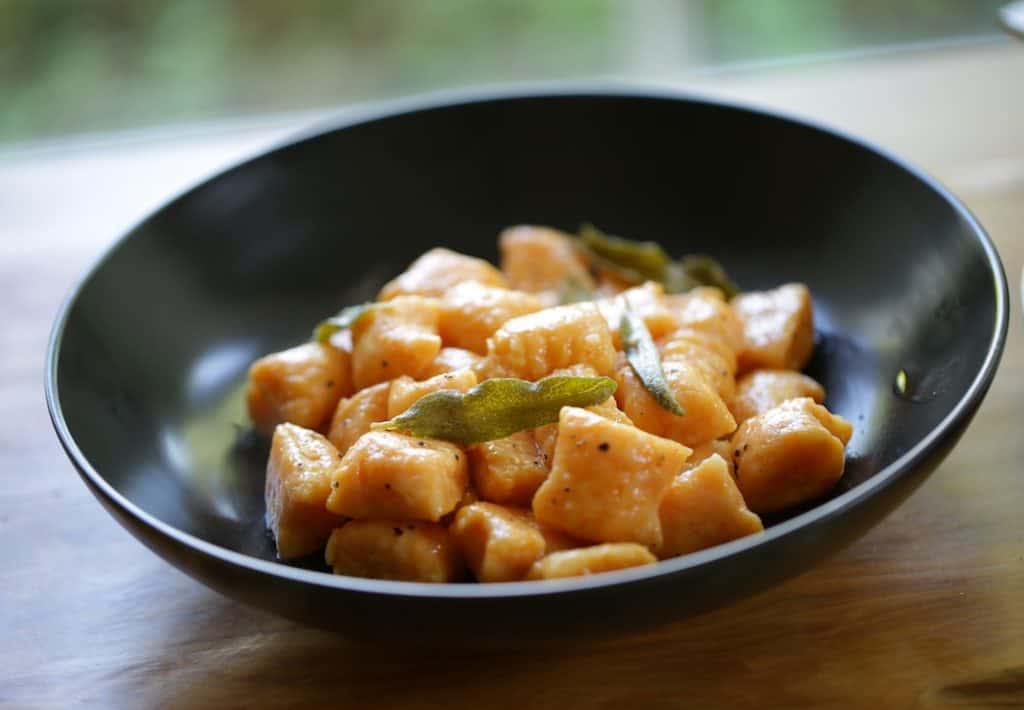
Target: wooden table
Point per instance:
(928, 609)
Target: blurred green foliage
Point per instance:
(76, 65)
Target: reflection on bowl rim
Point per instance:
(449, 99)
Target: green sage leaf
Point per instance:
(345, 319)
(698, 270)
(498, 407)
(643, 357)
(634, 261)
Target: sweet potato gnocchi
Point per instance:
(591, 405)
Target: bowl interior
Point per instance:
(150, 367)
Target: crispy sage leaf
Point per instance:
(643, 357)
(698, 270)
(498, 407)
(636, 262)
(346, 318)
(633, 261)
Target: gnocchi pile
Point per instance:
(590, 406)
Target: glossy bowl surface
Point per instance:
(148, 356)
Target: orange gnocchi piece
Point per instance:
(395, 338)
(539, 259)
(354, 415)
(703, 508)
(438, 270)
(298, 482)
(500, 544)
(408, 551)
(591, 560)
(300, 386)
(705, 310)
(708, 353)
(405, 391)
(647, 302)
(449, 359)
(508, 470)
(607, 480)
(389, 475)
(707, 416)
(535, 345)
(778, 328)
(761, 390)
(471, 312)
(789, 455)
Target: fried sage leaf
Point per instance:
(636, 262)
(698, 270)
(345, 319)
(643, 357)
(498, 407)
(633, 261)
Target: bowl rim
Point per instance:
(451, 99)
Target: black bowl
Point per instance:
(147, 358)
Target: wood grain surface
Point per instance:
(927, 610)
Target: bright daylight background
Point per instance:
(69, 67)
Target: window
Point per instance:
(70, 67)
